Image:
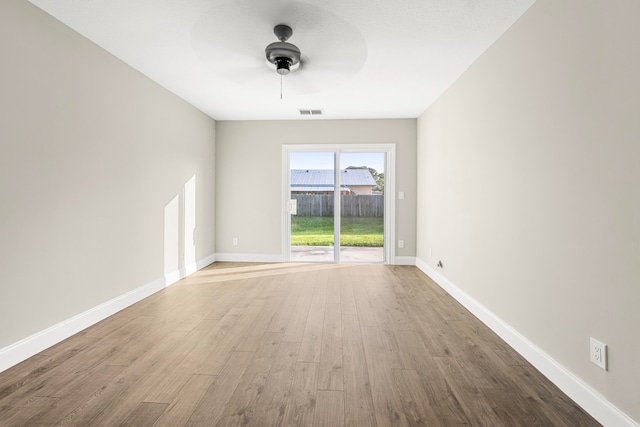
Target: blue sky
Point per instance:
(305, 160)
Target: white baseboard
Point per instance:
(584, 395)
(34, 344)
(405, 260)
(237, 257)
(198, 265)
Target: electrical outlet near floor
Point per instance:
(598, 353)
(235, 241)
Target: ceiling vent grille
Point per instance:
(310, 112)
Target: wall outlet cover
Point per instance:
(598, 353)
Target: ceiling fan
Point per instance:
(334, 50)
(285, 56)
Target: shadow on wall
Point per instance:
(179, 234)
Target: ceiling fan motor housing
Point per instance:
(282, 54)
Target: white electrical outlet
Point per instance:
(235, 241)
(598, 352)
(400, 244)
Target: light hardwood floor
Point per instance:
(287, 345)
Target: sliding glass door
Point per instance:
(335, 205)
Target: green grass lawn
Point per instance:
(318, 231)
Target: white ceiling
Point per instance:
(363, 58)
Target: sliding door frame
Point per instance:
(337, 149)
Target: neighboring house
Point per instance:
(321, 181)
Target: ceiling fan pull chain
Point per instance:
(280, 86)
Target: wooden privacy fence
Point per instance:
(351, 205)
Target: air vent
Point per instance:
(310, 112)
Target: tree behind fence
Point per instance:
(351, 205)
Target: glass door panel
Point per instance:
(362, 204)
(311, 198)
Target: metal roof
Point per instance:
(318, 188)
(325, 177)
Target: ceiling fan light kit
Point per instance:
(282, 54)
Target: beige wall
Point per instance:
(249, 154)
(92, 156)
(361, 189)
(529, 186)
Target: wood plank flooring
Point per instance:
(243, 344)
